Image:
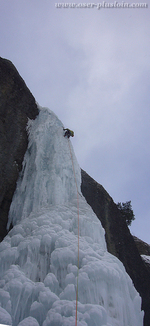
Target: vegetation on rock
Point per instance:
(126, 211)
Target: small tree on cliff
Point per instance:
(126, 211)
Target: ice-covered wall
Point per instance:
(47, 176)
(38, 258)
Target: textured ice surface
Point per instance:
(30, 321)
(38, 258)
(5, 317)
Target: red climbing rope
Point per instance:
(78, 229)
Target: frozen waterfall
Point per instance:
(38, 257)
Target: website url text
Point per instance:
(103, 4)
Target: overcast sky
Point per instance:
(92, 68)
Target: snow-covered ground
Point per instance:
(39, 256)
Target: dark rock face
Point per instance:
(16, 105)
(143, 247)
(118, 238)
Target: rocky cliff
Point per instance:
(17, 105)
(144, 251)
(143, 247)
(119, 240)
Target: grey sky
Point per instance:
(92, 68)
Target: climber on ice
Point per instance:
(68, 133)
